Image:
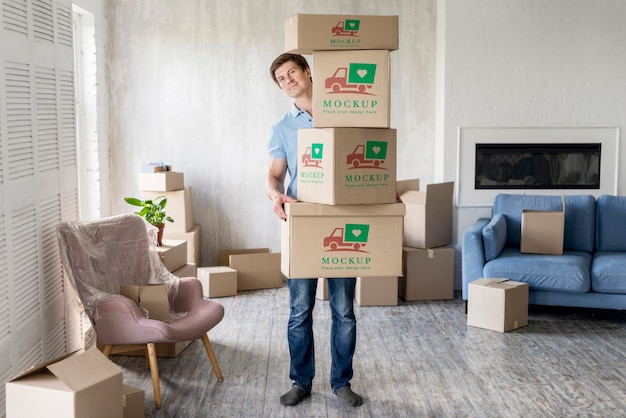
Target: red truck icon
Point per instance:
(308, 160)
(336, 240)
(358, 157)
(340, 28)
(339, 81)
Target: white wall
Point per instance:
(189, 84)
(529, 63)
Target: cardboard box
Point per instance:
(351, 89)
(153, 298)
(163, 181)
(376, 291)
(223, 256)
(173, 253)
(83, 384)
(257, 270)
(193, 242)
(305, 33)
(347, 166)
(321, 292)
(163, 350)
(428, 219)
(497, 304)
(218, 281)
(342, 241)
(134, 402)
(542, 231)
(188, 270)
(427, 274)
(178, 208)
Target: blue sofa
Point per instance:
(591, 272)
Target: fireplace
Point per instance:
(537, 166)
(535, 161)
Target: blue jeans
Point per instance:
(342, 334)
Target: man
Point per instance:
(292, 75)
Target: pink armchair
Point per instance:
(101, 255)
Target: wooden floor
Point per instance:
(418, 359)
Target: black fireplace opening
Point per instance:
(537, 166)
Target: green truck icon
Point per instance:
(357, 76)
(352, 236)
(349, 27)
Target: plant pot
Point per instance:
(160, 234)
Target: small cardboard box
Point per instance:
(497, 304)
(305, 33)
(173, 253)
(218, 281)
(376, 291)
(134, 402)
(178, 208)
(542, 231)
(223, 256)
(351, 89)
(342, 241)
(193, 242)
(321, 292)
(153, 298)
(257, 270)
(163, 181)
(427, 274)
(83, 384)
(188, 270)
(347, 166)
(428, 219)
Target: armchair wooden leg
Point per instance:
(212, 358)
(154, 371)
(107, 350)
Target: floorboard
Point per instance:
(417, 359)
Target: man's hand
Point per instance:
(279, 209)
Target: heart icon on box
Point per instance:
(351, 24)
(361, 73)
(316, 151)
(356, 232)
(376, 150)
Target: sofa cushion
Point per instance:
(494, 236)
(608, 272)
(611, 223)
(567, 273)
(580, 217)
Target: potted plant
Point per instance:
(153, 211)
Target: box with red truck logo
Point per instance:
(342, 241)
(347, 166)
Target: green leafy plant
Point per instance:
(152, 210)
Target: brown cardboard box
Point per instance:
(347, 166)
(351, 89)
(321, 292)
(342, 241)
(153, 298)
(173, 254)
(305, 33)
(497, 304)
(83, 384)
(134, 402)
(223, 256)
(428, 219)
(193, 242)
(163, 181)
(218, 281)
(542, 231)
(178, 208)
(188, 270)
(427, 274)
(376, 291)
(257, 270)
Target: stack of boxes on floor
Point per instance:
(347, 222)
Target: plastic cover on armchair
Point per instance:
(101, 255)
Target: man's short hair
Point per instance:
(298, 59)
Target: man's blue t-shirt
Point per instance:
(283, 143)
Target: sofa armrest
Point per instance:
(472, 254)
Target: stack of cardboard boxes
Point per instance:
(348, 222)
